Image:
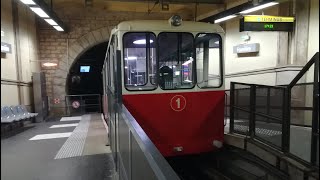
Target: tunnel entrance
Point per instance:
(84, 81)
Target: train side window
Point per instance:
(111, 60)
(209, 60)
(108, 68)
(139, 57)
(176, 64)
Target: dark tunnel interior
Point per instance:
(85, 74)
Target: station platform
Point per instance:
(66, 148)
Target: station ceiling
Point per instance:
(175, 6)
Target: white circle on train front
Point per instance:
(178, 103)
(75, 104)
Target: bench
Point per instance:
(13, 117)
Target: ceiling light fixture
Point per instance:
(224, 18)
(259, 7)
(28, 2)
(188, 62)
(58, 28)
(49, 64)
(141, 41)
(39, 12)
(51, 22)
(131, 58)
(44, 11)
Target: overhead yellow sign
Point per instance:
(255, 18)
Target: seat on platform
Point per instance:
(7, 116)
(24, 109)
(19, 116)
(20, 111)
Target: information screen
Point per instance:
(266, 23)
(84, 68)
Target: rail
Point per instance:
(82, 103)
(283, 117)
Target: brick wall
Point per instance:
(87, 27)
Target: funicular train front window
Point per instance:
(209, 60)
(176, 60)
(139, 60)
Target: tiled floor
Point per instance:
(30, 155)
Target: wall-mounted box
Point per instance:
(6, 48)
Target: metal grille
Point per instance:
(258, 111)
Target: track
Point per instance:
(227, 164)
(196, 167)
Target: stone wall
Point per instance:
(87, 28)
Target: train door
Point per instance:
(112, 99)
(114, 95)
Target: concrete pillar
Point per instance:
(301, 33)
(283, 41)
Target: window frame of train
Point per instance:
(179, 57)
(148, 85)
(207, 86)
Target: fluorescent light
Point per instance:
(131, 58)
(126, 67)
(39, 11)
(202, 35)
(258, 7)
(51, 22)
(28, 2)
(141, 41)
(224, 18)
(217, 42)
(49, 64)
(58, 28)
(188, 62)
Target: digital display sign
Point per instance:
(266, 23)
(84, 68)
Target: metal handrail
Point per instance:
(286, 116)
(304, 70)
(157, 162)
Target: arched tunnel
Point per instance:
(84, 81)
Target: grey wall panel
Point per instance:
(140, 166)
(123, 174)
(124, 143)
(40, 96)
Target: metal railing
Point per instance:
(274, 116)
(257, 111)
(314, 154)
(82, 104)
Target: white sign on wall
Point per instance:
(246, 48)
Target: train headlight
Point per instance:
(217, 144)
(175, 20)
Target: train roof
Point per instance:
(163, 25)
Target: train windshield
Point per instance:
(176, 60)
(209, 61)
(182, 60)
(139, 61)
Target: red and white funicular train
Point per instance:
(172, 81)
